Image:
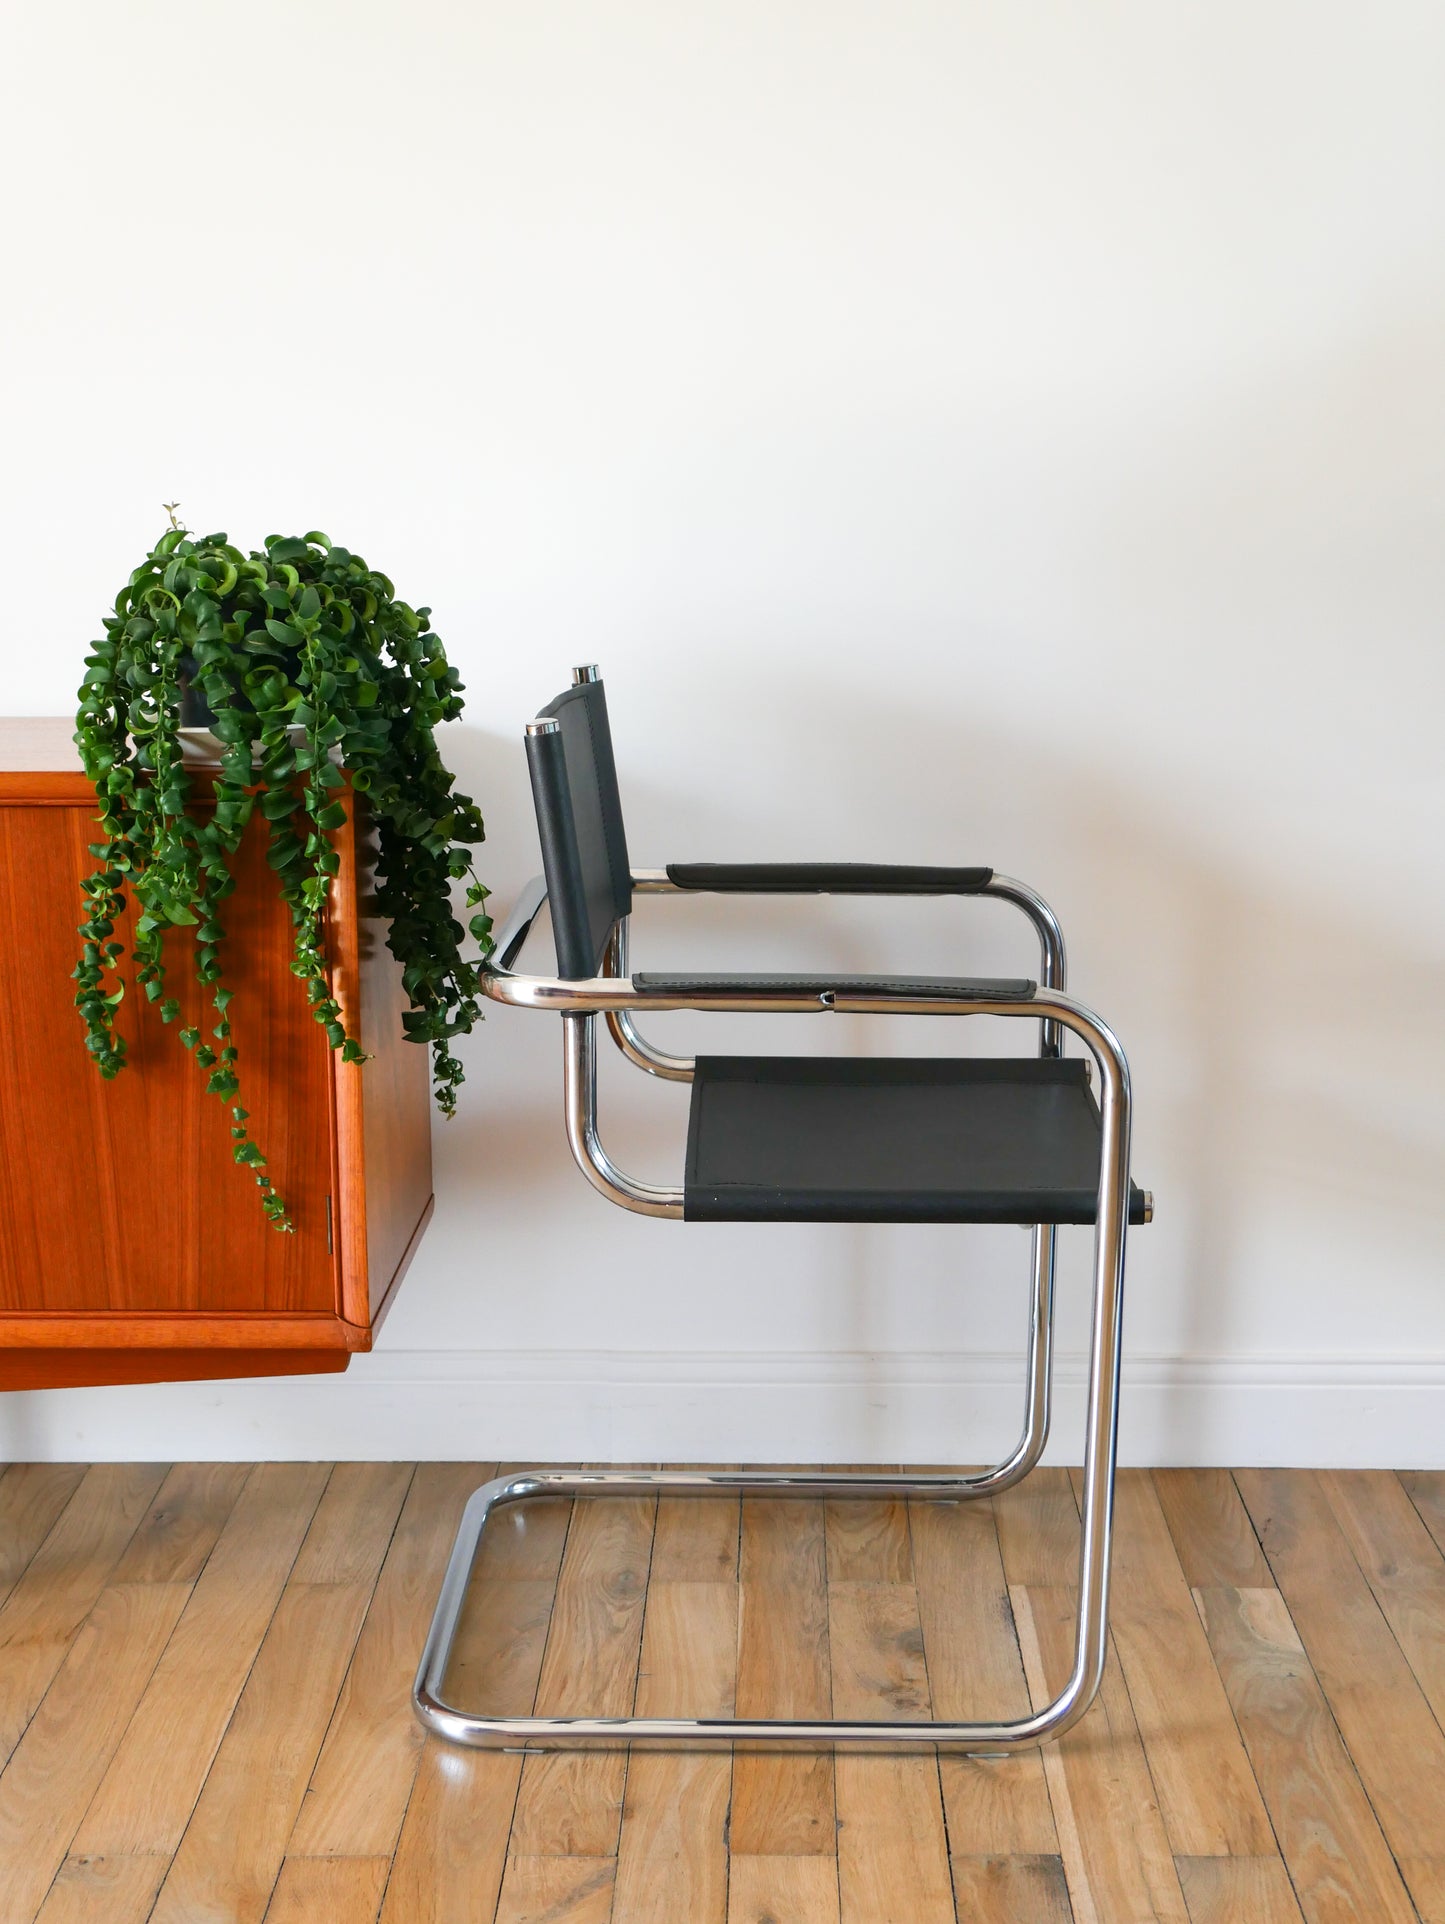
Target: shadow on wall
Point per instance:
(1288, 1056)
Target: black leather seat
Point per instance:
(952, 1140)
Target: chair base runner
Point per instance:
(553, 1733)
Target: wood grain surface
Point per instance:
(131, 1247)
(204, 1703)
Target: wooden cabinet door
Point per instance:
(132, 1248)
(122, 1196)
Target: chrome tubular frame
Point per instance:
(1053, 967)
(1053, 959)
(580, 1002)
(580, 1082)
(657, 1062)
(1053, 974)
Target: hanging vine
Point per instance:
(310, 673)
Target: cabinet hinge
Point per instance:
(330, 1246)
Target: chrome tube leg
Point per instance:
(579, 1084)
(1050, 1720)
(657, 1062)
(1038, 1382)
(1053, 970)
(1101, 1435)
(1039, 1408)
(1053, 957)
(1100, 1451)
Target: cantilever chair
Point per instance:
(788, 1139)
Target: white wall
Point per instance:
(962, 433)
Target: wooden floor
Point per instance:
(204, 1713)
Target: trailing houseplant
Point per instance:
(310, 673)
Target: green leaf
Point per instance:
(278, 805)
(373, 681)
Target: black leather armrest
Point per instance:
(827, 878)
(962, 988)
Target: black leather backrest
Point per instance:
(579, 820)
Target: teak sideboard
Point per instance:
(132, 1249)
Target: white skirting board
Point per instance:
(728, 1407)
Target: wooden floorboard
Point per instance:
(1004, 1890)
(1396, 1745)
(1237, 1890)
(1426, 1490)
(231, 1852)
(1403, 1566)
(146, 1796)
(1338, 1860)
(359, 1789)
(204, 1703)
(570, 1802)
(672, 1859)
(783, 1804)
(342, 1890)
(58, 1762)
(451, 1854)
(104, 1890)
(767, 1890)
(892, 1838)
(1112, 1836)
(32, 1496)
(61, 1582)
(1207, 1794)
(996, 1807)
